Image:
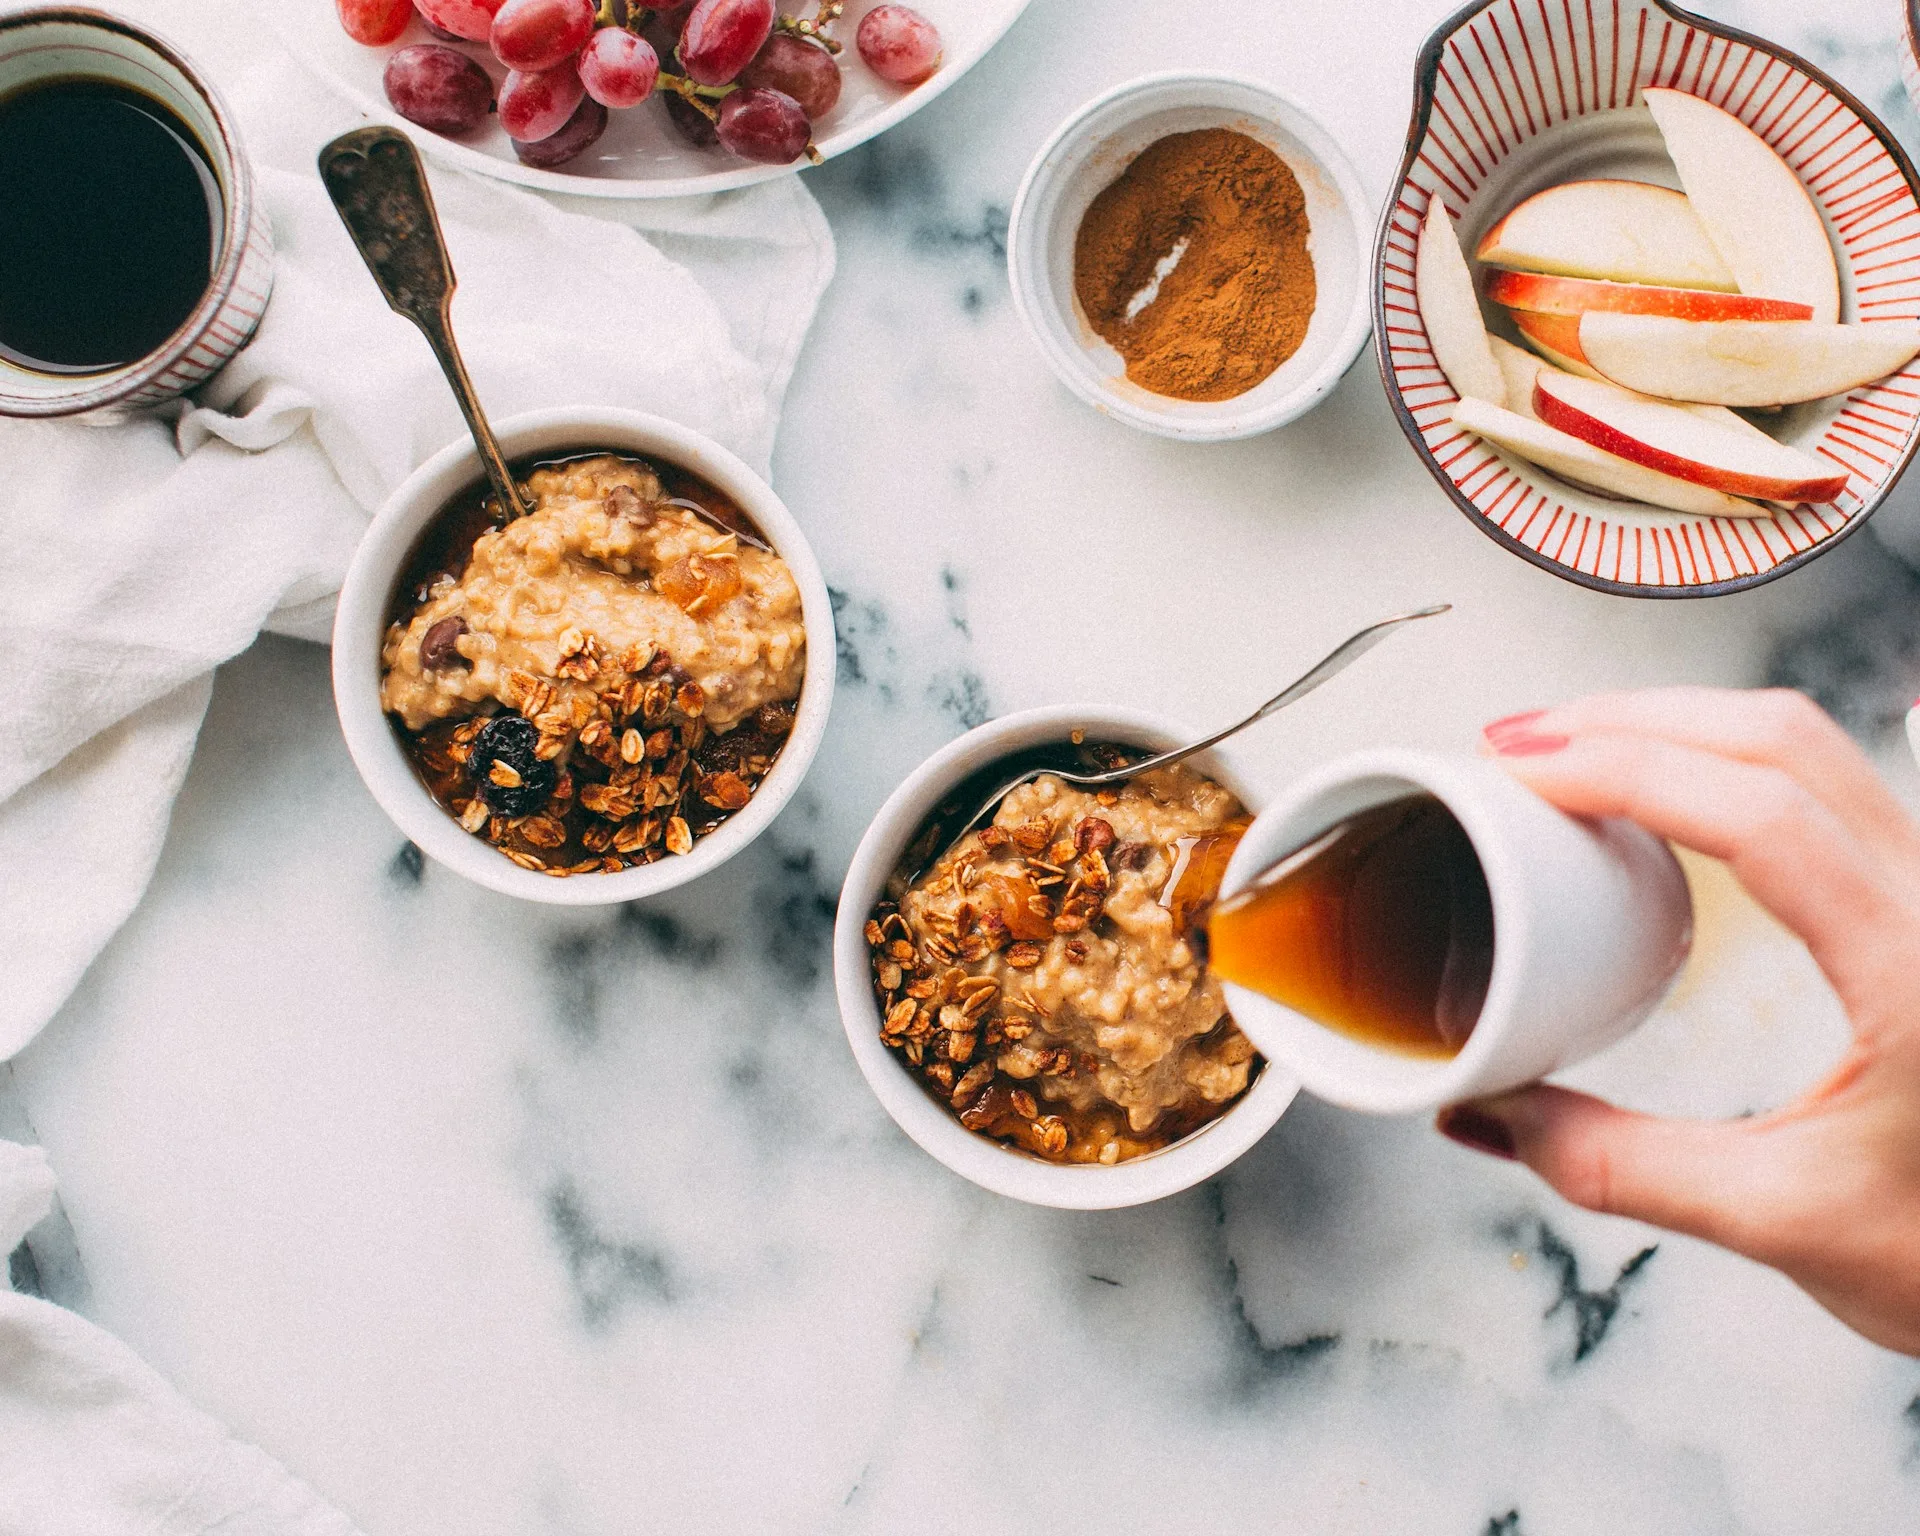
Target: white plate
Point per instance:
(642, 154)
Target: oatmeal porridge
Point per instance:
(1046, 977)
(603, 681)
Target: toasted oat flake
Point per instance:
(543, 831)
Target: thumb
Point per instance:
(1704, 1178)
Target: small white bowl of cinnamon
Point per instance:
(1190, 253)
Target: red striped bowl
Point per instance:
(1910, 55)
(1511, 96)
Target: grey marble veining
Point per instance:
(493, 1219)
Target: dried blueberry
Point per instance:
(436, 645)
(508, 776)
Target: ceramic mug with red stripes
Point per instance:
(50, 44)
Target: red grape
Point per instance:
(374, 22)
(578, 133)
(899, 44)
(764, 125)
(438, 88)
(694, 125)
(536, 106)
(722, 36)
(803, 70)
(532, 35)
(619, 69)
(470, 19)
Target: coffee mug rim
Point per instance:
(1396, 1082)
(237, 196)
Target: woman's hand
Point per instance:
(1827, 1189)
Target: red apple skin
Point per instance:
(1575, 296)
(1555, 412)
(1555, 338)
(1557, 333)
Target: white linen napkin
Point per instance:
(134, 559)
(94, 1443)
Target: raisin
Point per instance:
(504, 769)
(774, 719)
(437, 647)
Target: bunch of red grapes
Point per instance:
(749, 80)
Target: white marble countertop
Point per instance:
(491, 1219)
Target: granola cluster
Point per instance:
(1044, 978)
(600, 682)
(642, 778)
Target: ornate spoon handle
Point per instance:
(376, 182)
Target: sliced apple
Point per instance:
(1548, 333)
(1554, 337)
(1625, 231)
(1581, 295)
(1754, 208)
(1449, 308)
(1520, 368)
(1582, 463)
(1744, 362)
(1688, 444)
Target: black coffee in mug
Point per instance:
(110, 220)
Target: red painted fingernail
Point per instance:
(1475, 1128)
(1528, 744)
(1511, 724)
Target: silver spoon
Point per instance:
(981, 793)
(374, 177)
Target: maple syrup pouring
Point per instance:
(1381, 929)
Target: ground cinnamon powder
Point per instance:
(1237, 301)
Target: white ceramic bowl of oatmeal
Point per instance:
(935, 1127)
(367, 601)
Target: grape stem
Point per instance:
(814, 28)
(702, 96)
